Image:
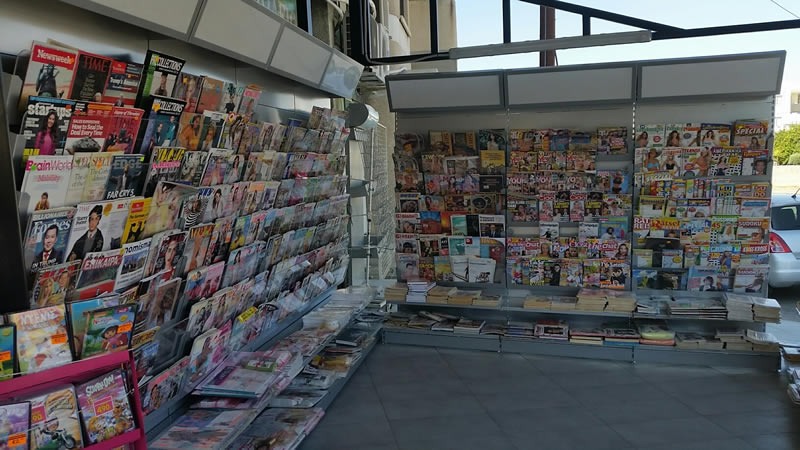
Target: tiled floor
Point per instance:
(420, 398)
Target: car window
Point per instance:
(786, 217)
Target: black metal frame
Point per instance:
(360, 34)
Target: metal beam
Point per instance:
(605, 15)
(434, 13)
(506, 21)
(587, 25)
(728, 29)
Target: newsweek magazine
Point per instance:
(751, 134)
(45, 126)
(49, 74)
(41, 338)
(123, 84)
(90, 77)
(98, 273)
(165, 164)
(125, 177)
(54, 284)
(187, 88)
(44, 185)
(46, 238)
(123, 128)
(88, 128)
(162, 123)
(160, 74)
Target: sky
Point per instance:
(480, 22)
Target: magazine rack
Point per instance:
(587, 97)
(78, 371)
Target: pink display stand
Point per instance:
(76, 372)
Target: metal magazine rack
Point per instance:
(583, 98)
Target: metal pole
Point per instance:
(506, 21)
(434, 10)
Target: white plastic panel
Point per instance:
(342, 75)
(740, 76)
(563, 86)
(238, 28)
(178, 16)
(299, 55)
(445, 92)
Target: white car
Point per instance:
(784, 241)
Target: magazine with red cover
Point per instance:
(90, 78)
(123, 83)
(123, 127)
(50, 72)
(88, 127)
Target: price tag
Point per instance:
(5, 356)
(15, 440)
(125, 327)
(60, 338)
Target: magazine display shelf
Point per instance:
(583, 97)
(161, 418)
(79, 371)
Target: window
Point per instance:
(794, 102)
(404, 9)
(786, 218)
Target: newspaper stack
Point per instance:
(519, 329)
(591, 300)
(734, 339)
(396, 292)
(792, 355)
(701, 308)
(467, 326)
(740, 307)
(623, 302)
(536, 302)
(766, 310)
(463, 297)
(551, 329)
(489, 301)
(762, 341)
(418, 291)
(591, 336)
(563, 303)
(439, 294)
(697, 341)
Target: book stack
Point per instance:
(421, 323)
(467, 326)
(734, 339)
(592, 336)
(762, 341)
(740, 307)
(794, 393)
(494, 328)
(621, 335)
(697, 341)
(558, 303)
(551, 329)
(463, 297)
(439, 294)
(444, 325)
(766, 310)
(623, 302)
(418, 291)
(591, 300)
(517, 328)
(656, 333)
(701, 308)
(791, 355)
(536, 302)
(396, 292)
(489, 301)
(398, 319)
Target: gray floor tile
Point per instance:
(662, 372)
(716, 444)
(611, 395)
(775, 441)
(407, 431)
(528, 423)
(721, 384)
(557, 364)
(417, 389)
(516, 383)
(666, 431)
(409, 373)
(754, 424)
(753, 402)
(534, 399)
(591, 379)
(420, 407)
(596, 437)
(366, 435)
(641, 410)
(459, 442)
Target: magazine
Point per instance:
(50, 72)
(407, 266)
(210, 95)
(649, 136)
(41, 338)
(216, 167)
(755, 162)
(134, 258)
(160, 74)
(125, 176)
(123, 84)
(750, 279)
(612, 140)
(15, 421)
(715, 135)
(44, 185)
(751, 134)
(8, 355)
(97, 226)
(108, 330)
(752, 230)
(754, 207)
(162, 123)
(491, 225)
(134, 225)
(55, 421)
(187, 88)
(45, 126)
(707, 279)
(726, 161)
(88, 128)
(481, 270)
(54, 284)
(441, 142)
(105, 411)
(166, 253)
(98, 273)
(97, 176)
(166, 206)
(46, 238)
(123, 128)
(492, 140)
(90, 78)
(164, 386)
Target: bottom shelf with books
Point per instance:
(408, 336)
(565, 348)
(768, 361)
